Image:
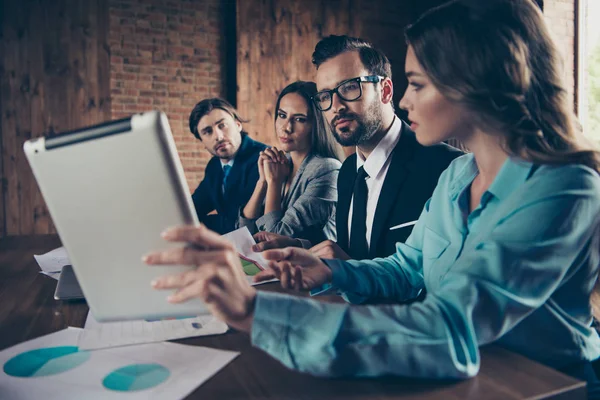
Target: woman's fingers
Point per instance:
(186, 255)
(265, 275)
(285, 277)
(205, 282)
(293, 254)
(175, 281)
(263, 157)
(282, 158)
(199, 235)
(271, 154)
(297, 279)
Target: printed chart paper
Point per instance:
(51, 367)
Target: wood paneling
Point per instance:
(54, 76)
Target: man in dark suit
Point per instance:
(383, 187)
(413, 174)
(232, 172)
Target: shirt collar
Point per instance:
(513, 173)
(230, 163)
(373, 165)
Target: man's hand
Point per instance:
(329, 250)
(268, 240)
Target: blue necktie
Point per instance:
(226, 171)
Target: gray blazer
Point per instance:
(308, 208)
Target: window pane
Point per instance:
(589, 47)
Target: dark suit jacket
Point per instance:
(413, 174)
(238, 188)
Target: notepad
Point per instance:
(97, 335)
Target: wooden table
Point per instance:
(28, 310)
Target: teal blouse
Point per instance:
(518, 271)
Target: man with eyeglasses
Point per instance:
(383, 187)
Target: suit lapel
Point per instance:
(296, 180)
(392, 186)
(345, 189)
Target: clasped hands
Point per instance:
(273, 166)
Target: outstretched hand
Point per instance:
(329, 249)
(296, 268)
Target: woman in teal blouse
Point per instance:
(507, 248)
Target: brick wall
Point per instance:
(168, 55)
(560, 16)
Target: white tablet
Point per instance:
(111, 189)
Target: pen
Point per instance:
(411, 223)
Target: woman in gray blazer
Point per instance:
(296, 192)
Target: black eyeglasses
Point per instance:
(349, 90)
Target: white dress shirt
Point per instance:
(376, 166)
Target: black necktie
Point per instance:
(358, 230)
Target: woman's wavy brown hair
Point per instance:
(497, 58)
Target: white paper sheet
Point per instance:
(187, 367)
(243, 241)
(51, 263)
(97, 335)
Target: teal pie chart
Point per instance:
(136, 377)
(45, 361)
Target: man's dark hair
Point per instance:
(373, 59)
(205, 107)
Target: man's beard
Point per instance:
(367, 126)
